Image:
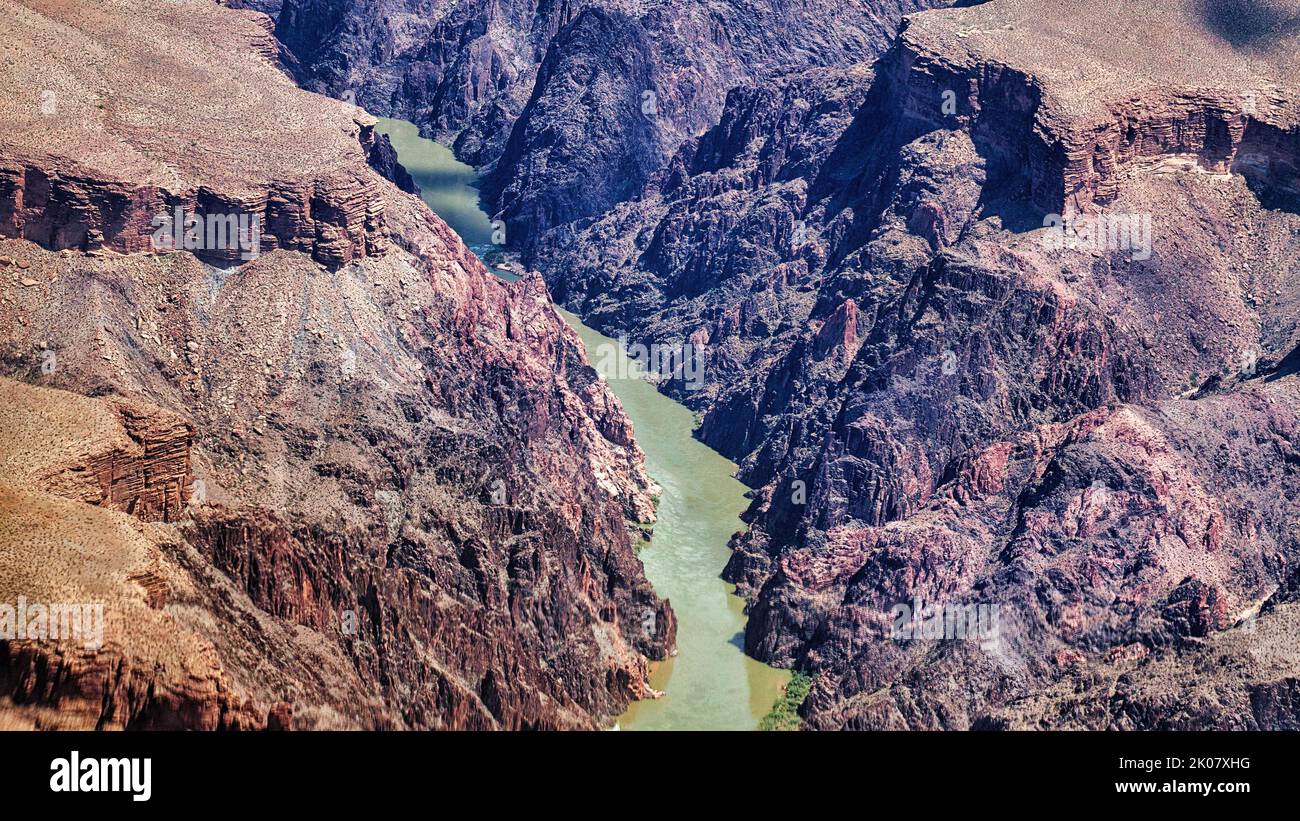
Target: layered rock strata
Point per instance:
(354, 482)
(940, 402)
(569, 107)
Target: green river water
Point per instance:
(711, 684)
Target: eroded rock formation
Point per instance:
(569, 106)
(936, 404)
(354, 482)
(90, 162)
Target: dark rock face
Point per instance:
(570, 105)
(566, 158)
(271, 8)
(377, 489)
(381, 156)
(717, 241)
(936, 405)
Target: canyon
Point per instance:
(932, 403)
(567, 107)
(898, 348)
(360, 481)
(355, 482)
(708, 682)
(928, 398)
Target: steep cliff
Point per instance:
(569, 106)
(117, 454)
(939, 400)
(370, 485)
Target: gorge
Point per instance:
(709, 683)
(928, 400)
(357, 482)
(395, 471)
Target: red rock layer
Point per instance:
(335, 220)
(154, 484)
(418, 495)
(1070, 142)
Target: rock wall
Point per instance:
(1064, 159)
(334, 220)
(124, 455)
(893, 344)
(90, 163)
(379, 487)
(569, 107)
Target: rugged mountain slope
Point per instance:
(356, 481)
(572, 105)
(935, 401)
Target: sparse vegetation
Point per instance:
(785, 713)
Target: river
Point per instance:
(711, 684)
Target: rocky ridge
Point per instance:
(568, 107)
(934, 403)
(354, 482)
(929, 398)
(92, 163)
